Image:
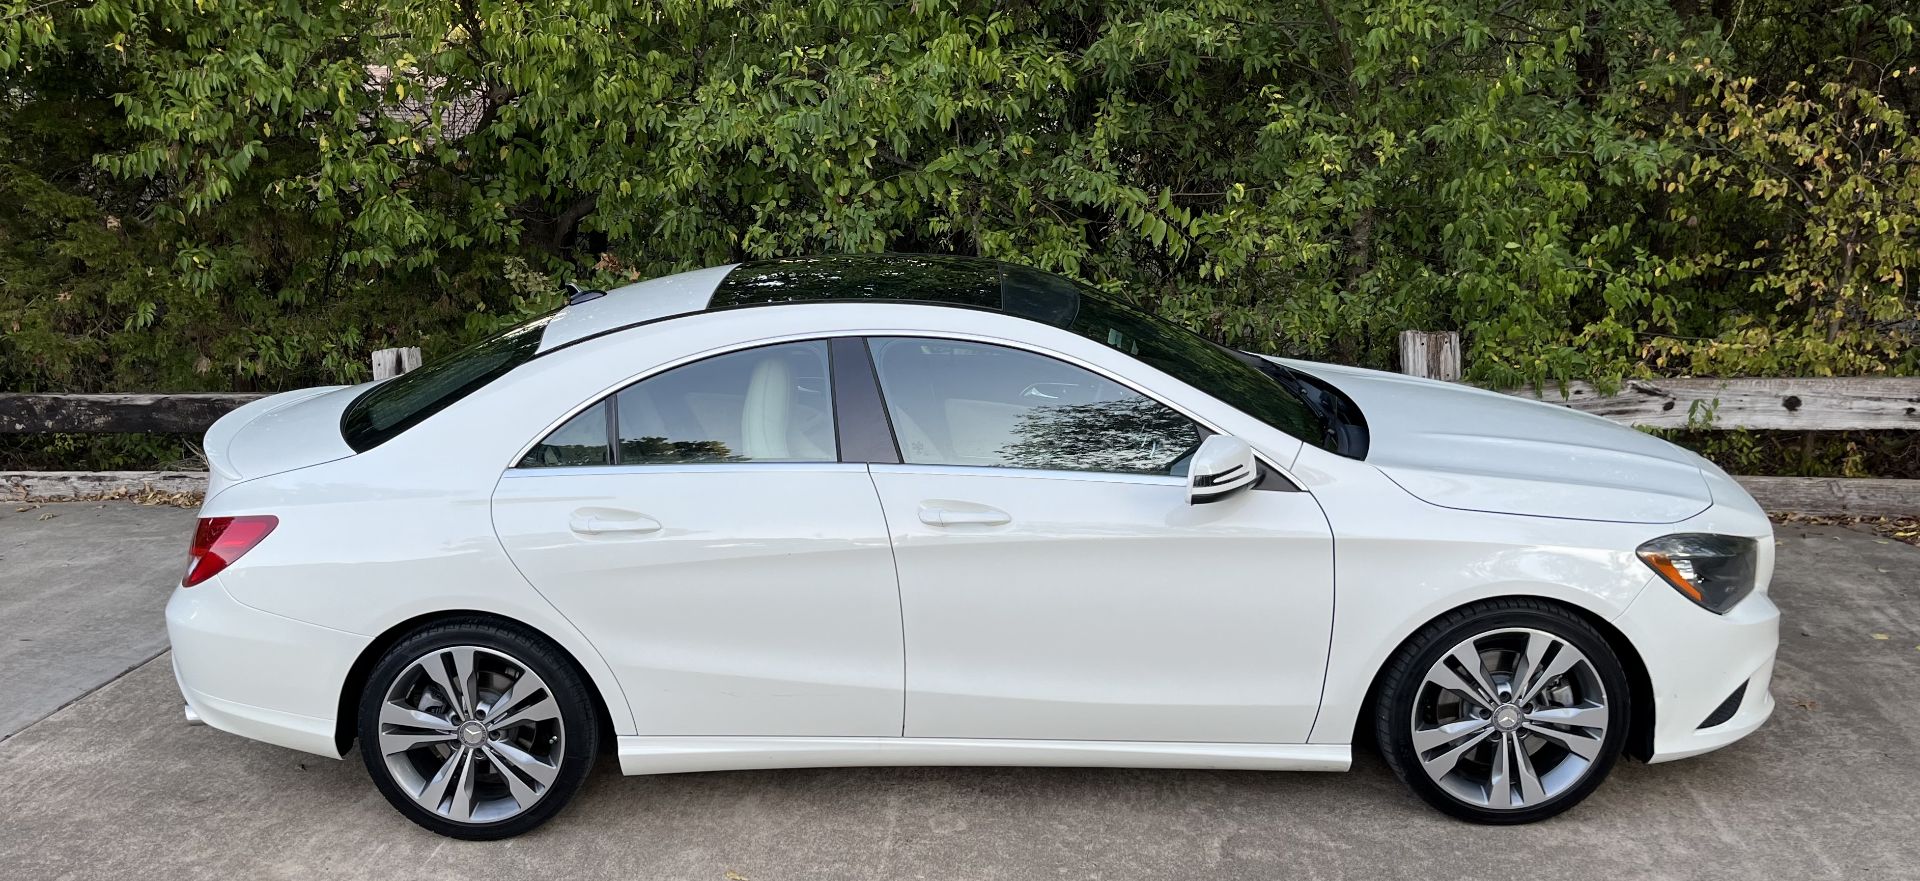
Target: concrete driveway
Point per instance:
(115, 786)
(82, 589)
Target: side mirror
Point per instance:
(1222, 466)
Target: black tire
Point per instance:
(578, 743)
(1403, 679)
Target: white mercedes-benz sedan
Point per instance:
(916, 510)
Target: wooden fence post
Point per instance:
(389, 363)
(1430, 354)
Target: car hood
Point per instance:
(1460, 447)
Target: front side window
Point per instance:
(770, 404)
(963, 403)
(1233, 377)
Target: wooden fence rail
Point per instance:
(1815, 404)
(23, 413)
(1810, 404)
(1865, 403)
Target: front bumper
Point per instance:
(1695, 659)
(257, 674)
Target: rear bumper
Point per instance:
(1696, 659)
(256, 674)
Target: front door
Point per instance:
(1056, 585)
(700, 529)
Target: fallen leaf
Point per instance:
(1880, 636)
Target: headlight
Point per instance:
(1715, 571)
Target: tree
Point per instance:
(234, 193)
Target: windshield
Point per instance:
(1186, 356)
(389, 408)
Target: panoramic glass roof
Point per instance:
(1239, 379)
(1259, 388)
(926, 278)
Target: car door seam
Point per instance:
(1333, 613)
(493, 526)
(899, 597)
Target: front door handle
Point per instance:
(602, 522)
(947, 514)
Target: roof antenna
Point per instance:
(577, 294)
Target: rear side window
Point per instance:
(381, 413)
(770, 404)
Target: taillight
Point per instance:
(218, 541)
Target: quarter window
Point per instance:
(963, 403)
(581, 441)
(770, 404)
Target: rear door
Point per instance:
(1055, 583)
(700, 528)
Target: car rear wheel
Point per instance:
(475, 730)
(1507, 711)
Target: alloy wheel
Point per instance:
(471, 734)
(1510, 719)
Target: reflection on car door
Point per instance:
(1054, 582)
(735, 575)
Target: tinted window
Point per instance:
(761, 405)
(959, 403)
(1178, 352)
(770, 404)
(389, 408)
(1264, 391)
(581, 441)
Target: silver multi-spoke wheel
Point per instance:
(472, 734)
(1509, 719)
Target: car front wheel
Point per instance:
(477, 731)
(1507, 711)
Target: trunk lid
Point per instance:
(276, 434)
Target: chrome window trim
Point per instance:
(866, 333)
(681, 468)
(1032, 474)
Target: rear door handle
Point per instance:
(605, 522)
(940, 514)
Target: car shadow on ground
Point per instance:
(117, 786)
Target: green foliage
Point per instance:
(101, 452)
(212, 194)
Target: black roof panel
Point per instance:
(970, 282)
(925, 278)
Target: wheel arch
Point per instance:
(346, 716)
(1640, 699)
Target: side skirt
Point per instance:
(674, 755)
